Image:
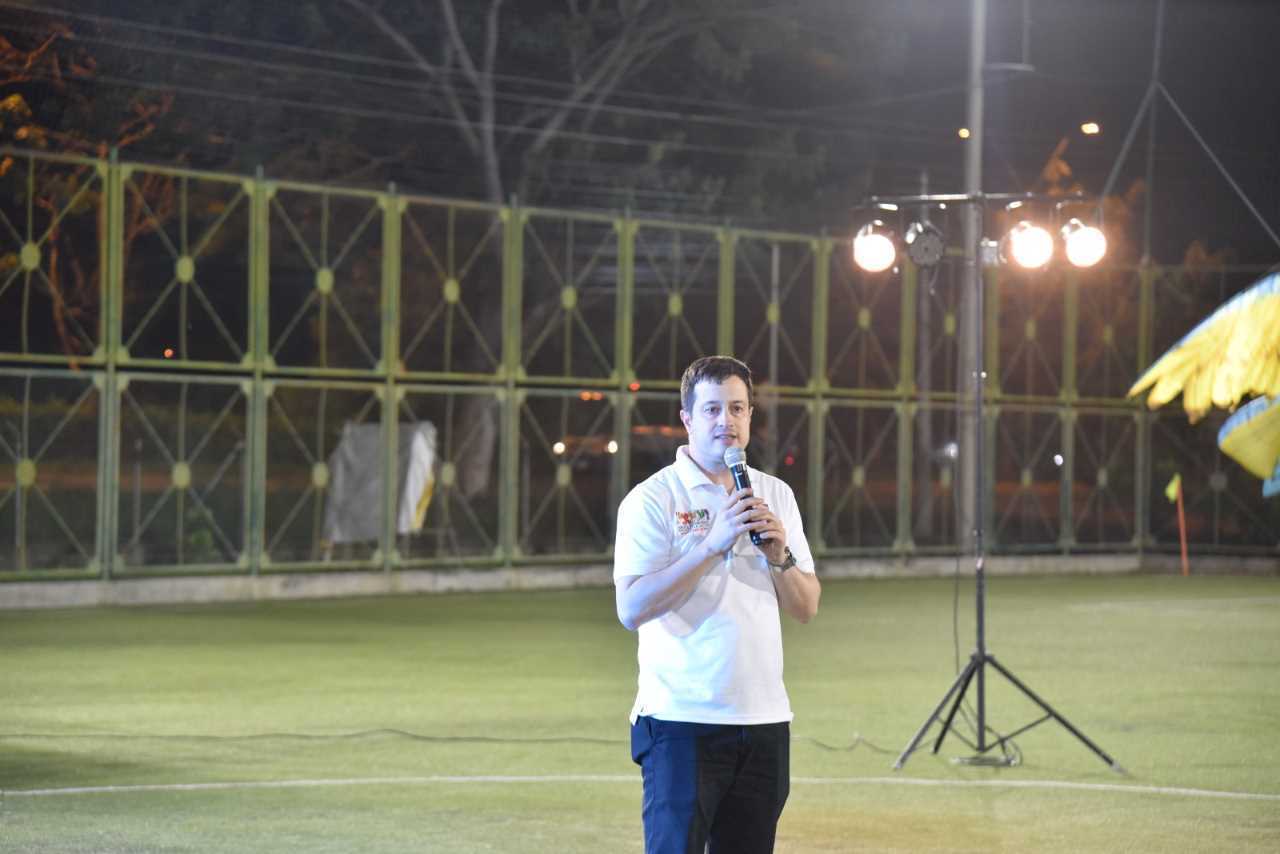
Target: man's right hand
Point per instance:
(641, 598)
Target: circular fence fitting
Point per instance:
(185, 269)
(949, 323)
(320, 475)
(29, 256)
(448, 474)
(563, 475)
(859, 477)
(1031, 329)
(675, 305)
(324, 280)
(1026, 478)
(26, 473)
(181, 475)
(1218, 481)
(452, 290)
(773, 314)
(569, 298)
(1102, 478)
(864, 318)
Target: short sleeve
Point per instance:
(794, 525)
(644, 538)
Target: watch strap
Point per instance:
(787, 562)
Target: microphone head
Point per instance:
(734, 456)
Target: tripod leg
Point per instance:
(1057, 717)
(963, 678)
(971, 670)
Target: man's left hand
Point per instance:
(770, 529)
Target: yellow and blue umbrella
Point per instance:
(1251, 437)
(1232, 354)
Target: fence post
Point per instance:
(823, 248)
(990, 364)
(906, 408)
(259, 359)
(624, 401)
(1142, 439)
(1068, 397)
(724, 307)
(112, 291)
(389, 365)
(510, 395)
(1067, 419)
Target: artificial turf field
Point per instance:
(497, 722)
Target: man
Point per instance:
(710, 727)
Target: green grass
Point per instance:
(1179, 679)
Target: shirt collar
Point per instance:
(690, 474)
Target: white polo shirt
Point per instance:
(718, 657)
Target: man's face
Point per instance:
(721, 417)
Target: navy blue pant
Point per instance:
(711, 784)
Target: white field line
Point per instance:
(624, 778)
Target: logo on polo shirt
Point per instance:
(692, 520)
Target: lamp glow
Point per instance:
(1030, 245)
(873, 248)
(1085, 244)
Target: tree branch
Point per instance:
(451, 96)
(484, 87)
(384, 26)
(625, 58)
(460, 46)
(431, 70)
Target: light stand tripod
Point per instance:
(981, 658)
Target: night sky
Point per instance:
(876, 85)
(1092, 61)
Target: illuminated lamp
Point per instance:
(873, 248)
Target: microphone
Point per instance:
(736, 459)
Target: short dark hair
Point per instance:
(717, 369)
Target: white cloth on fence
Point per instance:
(353, 512)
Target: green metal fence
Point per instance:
(182, 356)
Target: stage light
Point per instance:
(963, 133)
(1090, 128)
(1030, 246)
(873, 248)
(558, 448)
(1085, 244)
(925, 244)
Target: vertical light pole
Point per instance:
(971, 360)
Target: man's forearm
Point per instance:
(641, 598)
(798, 593)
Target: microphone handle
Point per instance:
(741, 481)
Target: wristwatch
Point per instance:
(787, 562)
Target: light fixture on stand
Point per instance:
(925, 244)
(1029, 246)
(873, 247)
(1085, 245)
